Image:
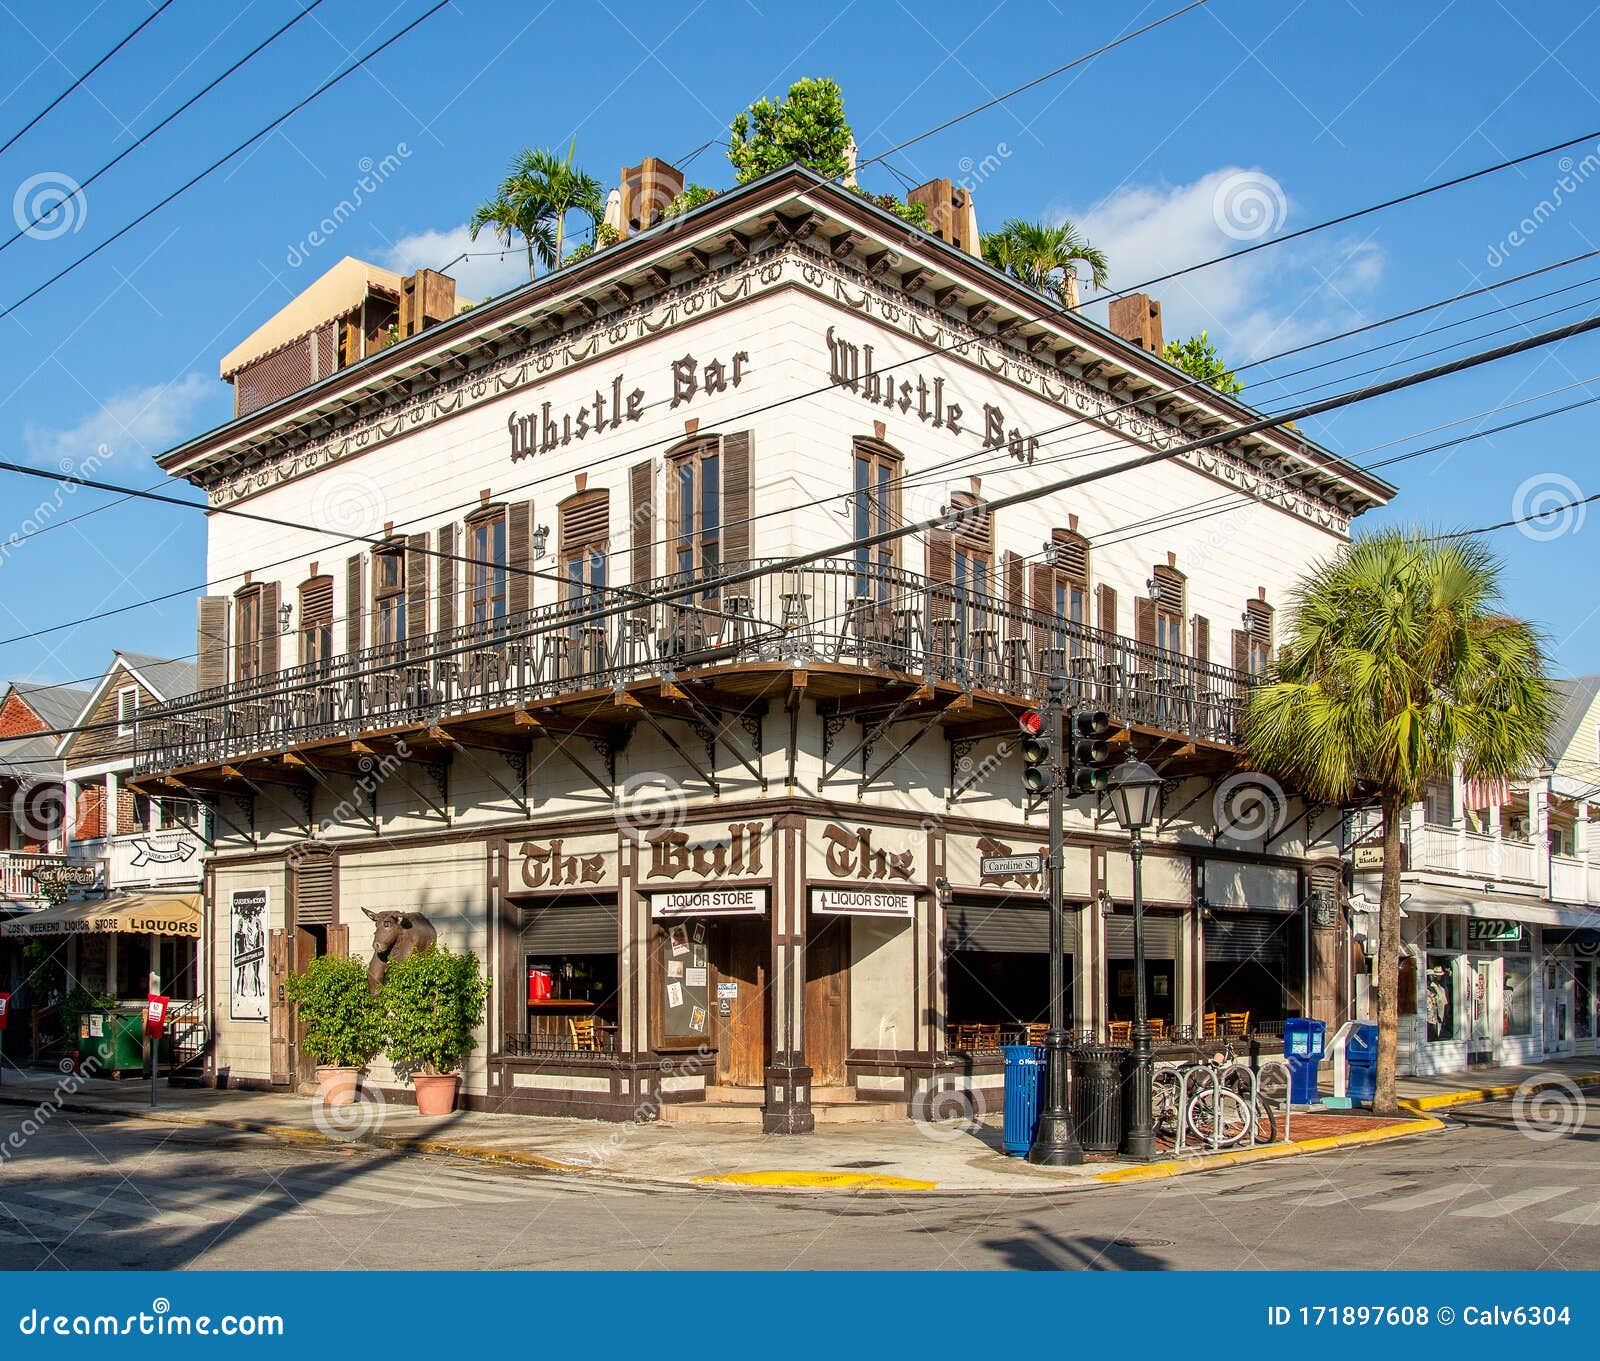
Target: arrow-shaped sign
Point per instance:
(146, 854)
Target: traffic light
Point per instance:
(1037, 758)
(1091, 752)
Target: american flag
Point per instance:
(1482, 792)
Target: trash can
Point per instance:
(1304, 1042)
(111, 1043)
(1097, 1096)
(1024, 1078)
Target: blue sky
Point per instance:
(1301, 110)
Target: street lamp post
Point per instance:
(1135, 794)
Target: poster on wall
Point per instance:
(247, 973)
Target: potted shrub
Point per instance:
(342, 1020)
(432, 1002)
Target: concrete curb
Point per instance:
(1204, 1162)
(1471, 1095)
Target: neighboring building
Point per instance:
(1502, 909)
(725, 846)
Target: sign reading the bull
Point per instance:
(864, 854)
(560, 863)
(675, 854)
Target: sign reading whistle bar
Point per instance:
(710, 902)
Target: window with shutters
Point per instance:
(1069, 583)
(1258, 631)
(694, 507)
(1169, 603)
(247, 631)
(316, 622)
(972, 558)
(585, 532)
(486, 572)
(389, 596)
(875, 509)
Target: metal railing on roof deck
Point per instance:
(838, 611)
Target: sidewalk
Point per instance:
(882, 1157)
(1442, 1090)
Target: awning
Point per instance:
(134, 914)
(1454, 903)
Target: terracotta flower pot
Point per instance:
(337, 1086)
(436, 1092)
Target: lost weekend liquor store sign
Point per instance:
(616, 404)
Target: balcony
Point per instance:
(1514, 865)
(847, 630)
(27, 876)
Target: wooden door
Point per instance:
(827, 1014)
(278, 1005)
(306, 944)
(740, 957)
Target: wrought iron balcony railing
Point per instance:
(877, 619)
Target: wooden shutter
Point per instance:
(352, 605)
(585, 521)
(1202, 639)
(277, 1005)
(447, 577)
(1108, 609)
(737, 499)
(1015, 575)
(1144, 621)
(213, 639)
(1241, 650)
(1072, 555)
(941, 572)
(1041, 589)
(519, 557)
(416, 589)
(316, 602)
(271, 628)
(339, 941)
(642, 516)
(313, 890)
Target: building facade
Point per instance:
(1501, 927)
(577, 656)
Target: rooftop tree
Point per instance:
(807, 127)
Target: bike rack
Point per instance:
(1191, 1082)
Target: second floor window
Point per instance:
(585, 533)
(974, 557)
(1069, 574)
(486, 572)
(1259, 636)
(694, 493)
(316, 621)
(247, 619)
(874, 499)
(389, 596)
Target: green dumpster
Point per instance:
(111, 1043)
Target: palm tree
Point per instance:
(1399, 665)
(533, 201)
(1044, 255)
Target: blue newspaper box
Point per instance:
(1361, 1062)
(1304, 1044)
(1024, 1076)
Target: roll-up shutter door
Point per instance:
(1248, 936)
(1160, 936)
(996, 929)
(313, 890)
(570, 928)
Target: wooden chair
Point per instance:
(1035, 1032)
(1158, 1028)
(1122, 1032)
(965, 1037)
(583, 1036)
(1235, 1024)
(1209, 1029)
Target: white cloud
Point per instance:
(136, 421)
(485, 273)
(1263, 303)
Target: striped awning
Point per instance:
(133, 914)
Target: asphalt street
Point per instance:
(96, 1192)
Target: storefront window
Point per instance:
(1516, 997)
(571, 1003)
(1443, 997)
(1582, 999)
